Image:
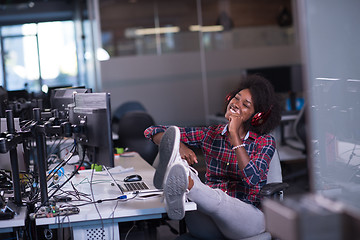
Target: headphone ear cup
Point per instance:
(260, 118)
(228, 98)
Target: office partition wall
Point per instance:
(331, 53)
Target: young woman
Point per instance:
(237, 156)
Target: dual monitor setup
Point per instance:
(75, 113)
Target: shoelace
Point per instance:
(190, 167)
(194, 170)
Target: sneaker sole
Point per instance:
(168, 149)
(174, 190)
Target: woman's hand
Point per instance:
(235, 123)
(235, 127)
(187, 154)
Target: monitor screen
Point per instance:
(94, 112)
(280, 77)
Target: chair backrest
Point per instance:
(274, 187)
(300, 127)
(120, 111)
(274, 173)
(126, 107)
(131, 129)
(133, 124)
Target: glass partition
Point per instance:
(331, 53)
(148, 27)
(140, 27)
(232, 24)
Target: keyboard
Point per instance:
(135, 186)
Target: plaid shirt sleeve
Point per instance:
(153, 130)
(261, 154)
(190, 135)
(193, 136)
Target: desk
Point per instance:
(10, 224)
(112, 212)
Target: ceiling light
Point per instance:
(160, 30)
(214, 28)
(328, 79)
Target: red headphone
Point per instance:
(261, 117)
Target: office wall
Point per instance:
(172, 86)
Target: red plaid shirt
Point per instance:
(222, 169)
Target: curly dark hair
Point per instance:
(264, 98)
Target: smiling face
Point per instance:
(241, 105)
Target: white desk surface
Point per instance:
(113, 211)
(18, 221)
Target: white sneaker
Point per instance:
(175, 188)
(172, 174)
(168, 153)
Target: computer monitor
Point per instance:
(280, 77)
(94, 112)
(62, 97)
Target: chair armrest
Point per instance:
(273, 188)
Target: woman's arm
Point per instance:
(185, 152)
(256, 170)
(236, 136)
(157, 138)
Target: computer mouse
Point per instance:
(133, 178)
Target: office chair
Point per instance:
(274, 189)
(299, 130)
(300, 127)
(275, 186)
(120, 111)
(130, 129)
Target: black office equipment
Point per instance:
(8, 143)
(18, 95)
(5, 162)
(92, 111)
(133, 178)
(60, 98)
(280, 77)
(3, 101)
